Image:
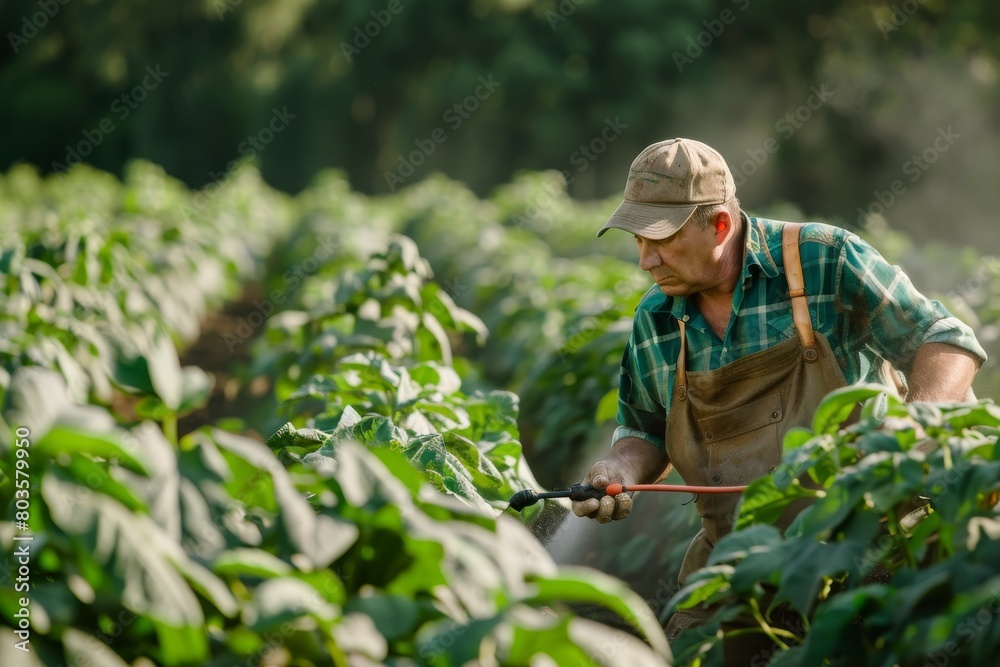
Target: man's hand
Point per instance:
(632, 461)
(604, 472)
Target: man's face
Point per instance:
(684, 263)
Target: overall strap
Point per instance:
(680, 375)
(796, 287)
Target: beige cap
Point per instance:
(666, 183)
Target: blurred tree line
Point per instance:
(833, 106)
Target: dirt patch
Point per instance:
(223, 350)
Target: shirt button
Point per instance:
(716, 478)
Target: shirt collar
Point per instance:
(755, 251)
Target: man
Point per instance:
(750, 324)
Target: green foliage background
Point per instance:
(454, 332)
(897, 71)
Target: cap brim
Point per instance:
(648, 220)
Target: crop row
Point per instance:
(370, 535)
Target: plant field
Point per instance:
(401, 366)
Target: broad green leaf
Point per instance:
(436, 376)
(835, 620)
(282, 600)
(839, 404)
(739, 544)
(152, 407)
(395, 616)
(607, 408)
(320, 538)
(762, 565)
(34, 400)
(206, 584)
(983, 414)
(97, 477)
(448, 642)
(289, 436)
(536, 636)
(585, 585)
(247, 562)
(764, 502)
(165, 372)
(358, 635)
(137, 554)
(705, 586)
(61, 440)
(806, 565)
(181, 645)
(440, 337)
(927, 414)
(196, 388)
(614, 646)
(85, 649)
(793, 657)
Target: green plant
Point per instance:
(895, 557)
(389, 306)
(467, 445)
(216, 553)
(103, 279)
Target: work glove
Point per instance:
(608, 508)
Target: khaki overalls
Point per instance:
(726, 425)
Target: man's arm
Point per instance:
(938, 352)
(631, 461)
(941, 372)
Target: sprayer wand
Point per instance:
(527, 497)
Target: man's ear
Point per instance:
(723, 225)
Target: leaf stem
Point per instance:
(170, 428)
(946, 454)
(772, 633)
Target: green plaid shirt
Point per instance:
(867, 309)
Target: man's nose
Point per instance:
(648, 258)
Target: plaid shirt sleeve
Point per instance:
(888, 314)
(640, 414)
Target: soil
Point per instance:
(223, 351)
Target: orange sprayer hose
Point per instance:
(615, 489)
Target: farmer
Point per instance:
(750, 324)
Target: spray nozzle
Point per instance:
(527, 497)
